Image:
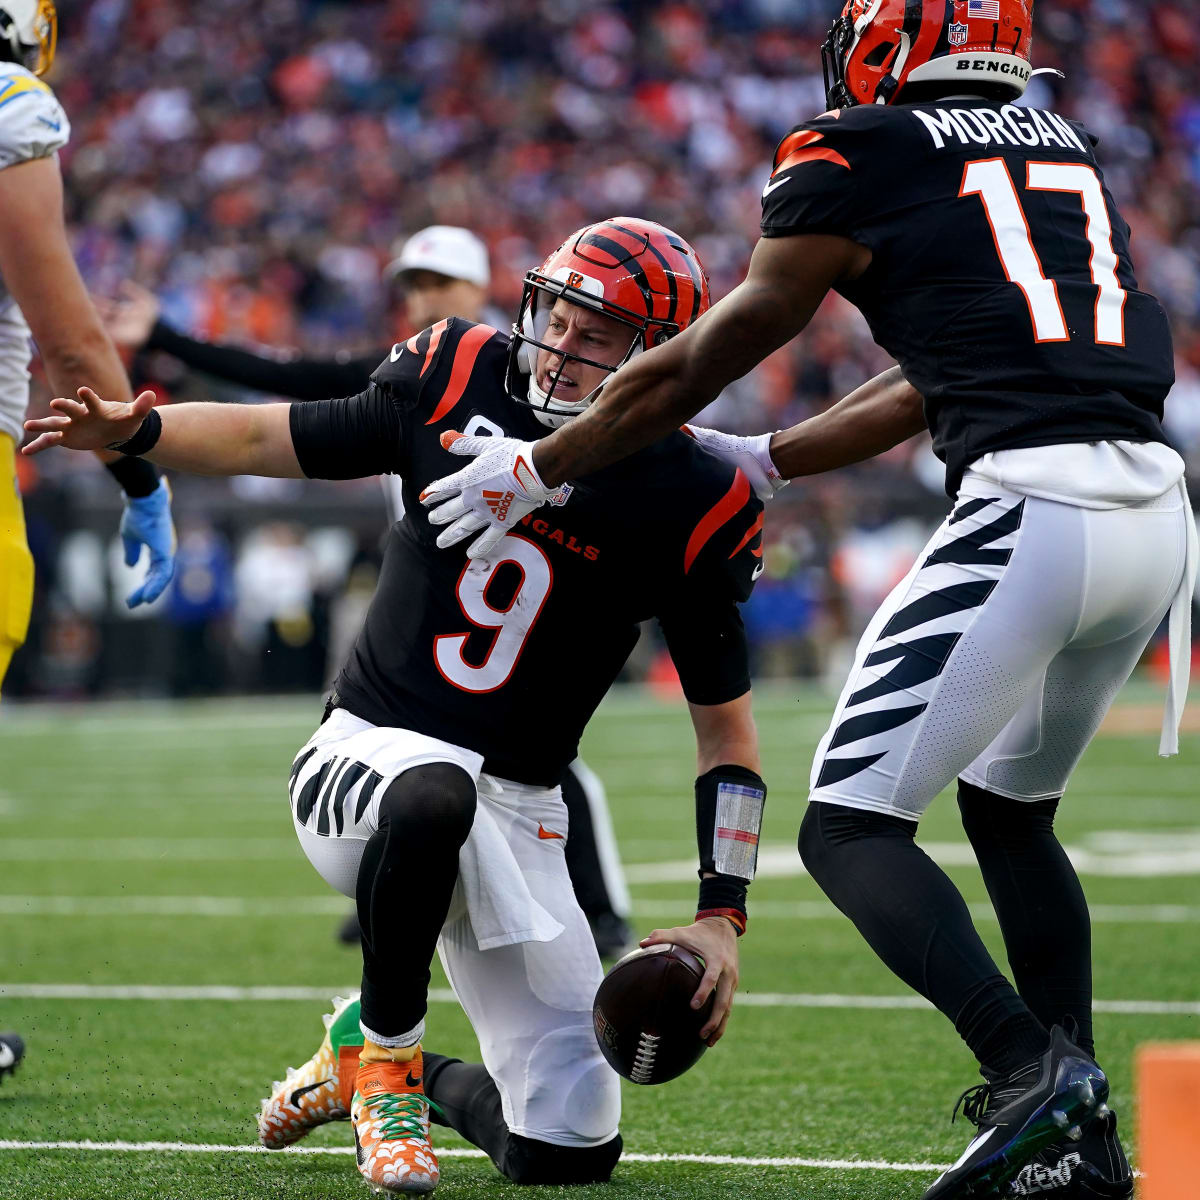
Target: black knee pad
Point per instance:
(439, 796)
(528, 1161)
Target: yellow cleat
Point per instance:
(319, 1091)
(391, 1128)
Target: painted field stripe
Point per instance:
(103, 991)
(169, 906)
(215, 992)
(715, 1160)
(236, 907)
(823, 910)
(782, 862)
(1161, 1008)
(131, 849)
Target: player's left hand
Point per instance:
(715, 940)
(751, 455)
(147, 522)
(491, 494)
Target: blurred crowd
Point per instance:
(255, 166)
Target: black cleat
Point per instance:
(1055, 1097)
(1093, 1168)
(350, 931)
(12, 1050)
(611, 934)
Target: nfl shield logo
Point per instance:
(958, 35)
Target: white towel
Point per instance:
(1179, 638)
(498, 901)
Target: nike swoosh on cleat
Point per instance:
(545, 834)
(294, 1099)
(411, 1082)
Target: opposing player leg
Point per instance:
(382, 815)
(16, 563)
(545, 1104)
(593, 860)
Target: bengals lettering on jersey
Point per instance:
(511, 661)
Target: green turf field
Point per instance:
(150, 846)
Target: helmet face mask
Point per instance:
(532, 337)
(878, 49)
(30, 29)
(634, 274)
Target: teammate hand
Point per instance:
(147, 522)
(715, 940)
(751, 454)
(88, 423)
(491, 494)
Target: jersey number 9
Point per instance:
(512, 623)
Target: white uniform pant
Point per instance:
(529, 1001)
(997, 657)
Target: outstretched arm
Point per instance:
(659, 390)
(351, 438)
(884, 412)
(205, 439)
(881, 414)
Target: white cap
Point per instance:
(446, 249)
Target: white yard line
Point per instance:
(219, 992)
(88, 991)
(170, 906)
(715, 1160)
(140, 849)
(1141, 860)
(822, 910)
(673, 907)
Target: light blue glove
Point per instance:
(147, 522)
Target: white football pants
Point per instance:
(997, 657)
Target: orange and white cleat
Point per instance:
(319, 1091)
(391, 1128)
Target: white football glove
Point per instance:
(491, 494)
(751, 454)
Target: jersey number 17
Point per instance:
(990, 180)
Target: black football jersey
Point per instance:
(511, 661)
(1000, 281)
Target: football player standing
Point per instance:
(444, 271)
(982, 246)
(430, 791)
(41, 294)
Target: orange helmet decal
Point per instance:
(878, 47)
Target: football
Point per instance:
(645, 1025)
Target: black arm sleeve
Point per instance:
(709, 650)
(351, 438)
(296, 378)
